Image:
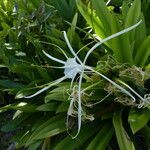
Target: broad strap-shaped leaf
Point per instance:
(140, 35)
(60, 93)
(123, 139)
(143, 52)
(22, 106)
(138, 119)
(133, 16)
(101, 140)
(120, 45)
(124, 9)
(52, 106)
(21, 139)
(66, 10)
(92, 19)
(72, 144)
(13, 124)
(103, 14)
(51, 127)
(105, 24)
(63, 107)
(35, 145)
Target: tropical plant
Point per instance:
(114, 95)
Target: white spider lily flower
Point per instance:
(71, 69)
(83, 67)
(74, 66)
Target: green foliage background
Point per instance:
(28, 27)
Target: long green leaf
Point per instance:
(120, 45)
(49, 128)
(91, 18)
(133, 16)
(140, 35)
(66, 10)
(143, 52)
(71, 144)
(101, 140)
(48, 107)
(105, 24)
(103, 14)
(123, 139)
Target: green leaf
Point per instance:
(138, 119)
(21, 139)
(48, 107)
(104, 24)
(63, 107)
(35, 145)
(103, 14)
(22, 106)
(71, 144)
(66, 10)
(123, 139)
(13, 124)
(58, 94)
(55, 96)
(91, 18)
(125, 9)
(133, 16)
(120, 45)
(101, 140)
(140, 35)
(10, 84)
(143, 52)
(51, 127)
(25, 92)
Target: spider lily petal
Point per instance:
(55, 46)
(47, 87)
(113, 83)
(70, 47)
(108, 2)
(145, 100)
(53, 58)
(139, 96)
(109, 38)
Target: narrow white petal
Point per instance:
(47, 87)
(108, 2)
(70, 47)
(109, 38)
(140, 97)
(113, 83)
(53, 58)
(79, 108)
(56, 46)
